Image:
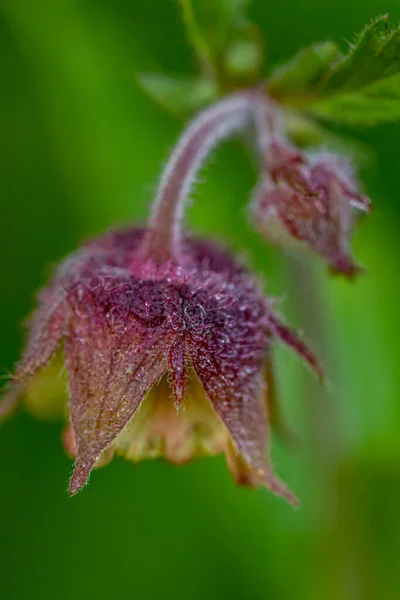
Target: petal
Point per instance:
(239, 402)
(323, 223)
(179, 433)
(227, 342)
(244, 475)
(284, 163)
(69, 443)
(266, 212)
(110, 368)
(178, 369)
(292, 339)
(344, 265)
(47, 330)
(45, 396)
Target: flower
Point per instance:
(311, 199)
(163, 359)
(168, 339)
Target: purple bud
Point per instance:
(312, 200)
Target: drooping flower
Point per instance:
(312, 200)
(168, 339)
(163, 360)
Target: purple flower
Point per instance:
(168, 339)
(162, 359)
(313, 200)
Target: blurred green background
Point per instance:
(81, 147)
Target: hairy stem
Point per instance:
(216, 123)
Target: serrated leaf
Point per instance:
(373, 104)
(375, 56)
(179, 95)
(304, 71)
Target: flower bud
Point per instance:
(310, 200)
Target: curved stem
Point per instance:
(207, 130)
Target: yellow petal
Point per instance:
(160, 428)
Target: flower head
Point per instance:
(162, 359)
(167, 339)
(312, 199)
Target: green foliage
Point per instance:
(244, 54)
(210, 23)
(301, 74)
(374, 56)
(376, 103)
(228, 48)
(364, 87)
(179, 95)
(360, 88)
(227, 45)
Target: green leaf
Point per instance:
(304, 71)
(375, 56)
(377, 103)
(363, 88)
(179, 95)
(209, 22)
(228, 46)
(243, 56)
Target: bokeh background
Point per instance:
(81, 147)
